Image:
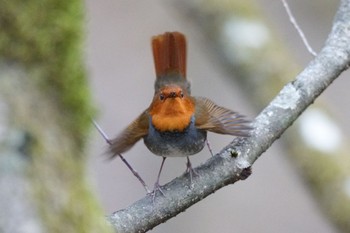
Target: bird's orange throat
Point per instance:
(173, 114)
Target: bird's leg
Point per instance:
(104, 135)
(157, 185)
(209, 147)
(190, 169)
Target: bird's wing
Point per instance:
(132, 134)
(217, 119)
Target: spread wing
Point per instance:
(129, 136)
(217, 119)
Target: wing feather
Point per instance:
(217, 119)
(129, 136)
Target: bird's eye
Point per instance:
(161, 97)
(181, 94)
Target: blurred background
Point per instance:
(277, 197)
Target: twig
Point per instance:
(295, 24)
(136, 174)
(103, 134)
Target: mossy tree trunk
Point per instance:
(44, 120)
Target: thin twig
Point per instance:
(295, 24)
(136, 174)
(103, 134)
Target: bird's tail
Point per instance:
(169, 52)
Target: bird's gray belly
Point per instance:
(175, 144)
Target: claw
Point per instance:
(157, 188)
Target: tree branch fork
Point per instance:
(233, 162)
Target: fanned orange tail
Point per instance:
(169, 52)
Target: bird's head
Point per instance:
(171, 109)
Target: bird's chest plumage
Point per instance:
(174, 143)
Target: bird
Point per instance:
(176, 123)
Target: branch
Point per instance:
(228, 166)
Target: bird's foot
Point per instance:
(157, 188)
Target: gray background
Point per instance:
(275, 198)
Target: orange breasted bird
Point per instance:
(176, 123)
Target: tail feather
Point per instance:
(169, 52)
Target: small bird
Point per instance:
(176, 123)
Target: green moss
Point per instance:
(56, 175)
(41, 42)
(67, 204)
(46, 37)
